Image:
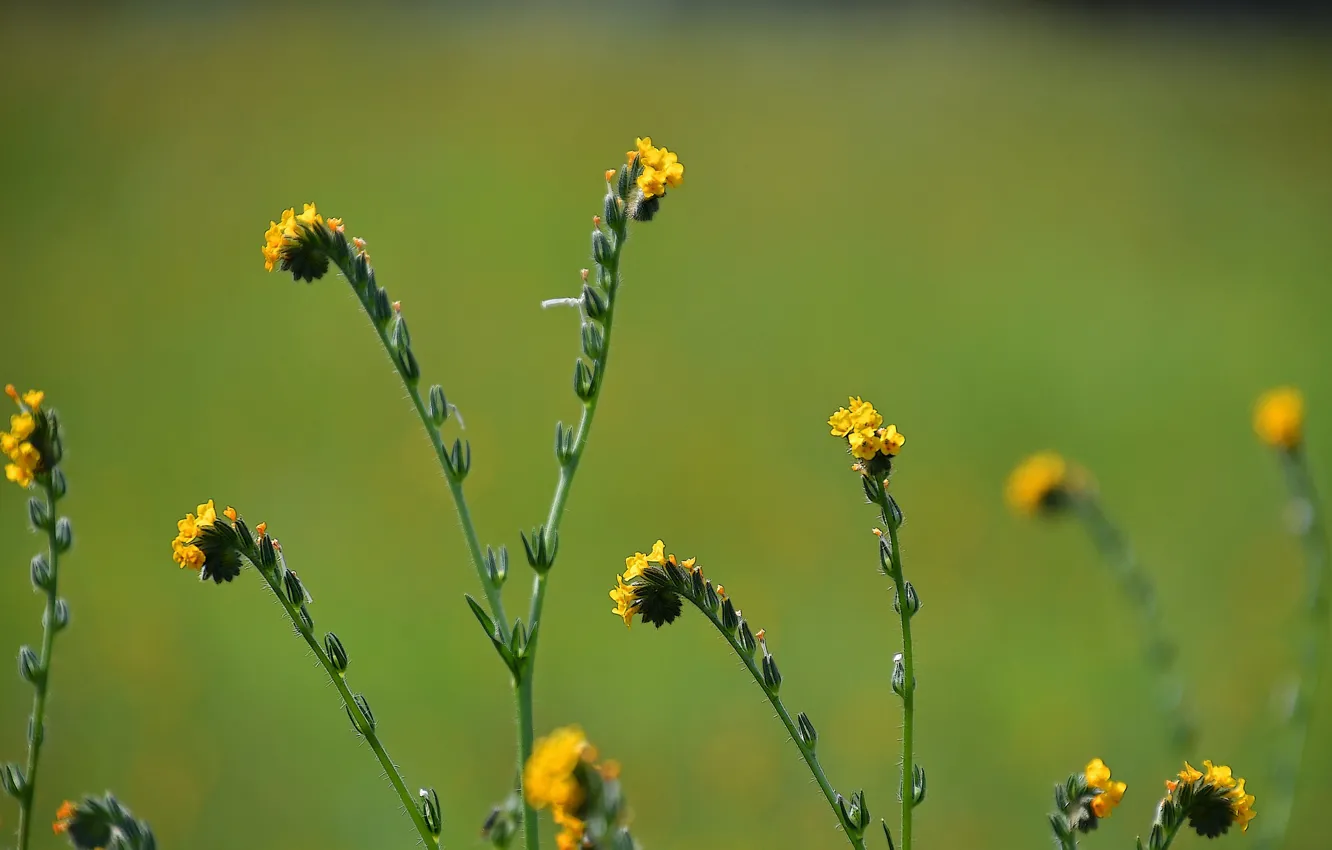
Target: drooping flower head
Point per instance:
(32, 443)
(212, 547)
(1278, 418)
(1213, 800)
(652, 170)
(873, 444)
(1043, 483)
(653, 601)
(300, 243)
(95, 823)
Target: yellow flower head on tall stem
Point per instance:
(1216, 799)
(1098, 776)
(283, 235)
(1278, 418)
(660, 168)
(867, 438)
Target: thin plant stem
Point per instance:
(1290, 754)
(363, 724)
(1172, 832)
(1159, 651)
(909, 678)
(523, 698)
(806, 750)
(37, 733)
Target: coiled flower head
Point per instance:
(651, 601)
(651, 169)
(32, 443)
(1278, 418)
(300, 243)
(213, 548)
(1213, 800)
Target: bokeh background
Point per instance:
(1011, 231)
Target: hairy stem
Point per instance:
(806, 750)
(1158, 650)
(1304, 699)
(909, 678)
(37, 731)
(522, 693)
(361, 721)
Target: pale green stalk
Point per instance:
(37, 732)
(909, 675)
(1304, 700)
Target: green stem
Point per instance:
(1290, 756)
(522, 692)
(1172, 832)
(38, 731)
(363, 725)
(491, 589)
(1158, 650)
(806, 750)
(909, 678)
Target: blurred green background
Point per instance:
(1010, 234)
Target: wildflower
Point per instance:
(873, 444)
(1041, 483)
(1213, 800)
(204, 544)
(85, 827)
(635, 594)
(652, 169)
(1278, 418)
(1110, 792)
(555, 776)
(299, 243)
(30, 441)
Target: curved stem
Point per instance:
(362, 723)
(909, 678)
(492, 591)
(1136, 587)
(37, 732)
(806, 751)
(1290, 756)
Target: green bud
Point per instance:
(584, 380)
(612, 211)
(912, 601)
(41, 572)
(917, 785)
(337, 653)
(30, 666)
(710, 597)
(601, 249)
(497, 566)
(381, 309)
(808, 735)
(437, 405)
(594, 341)
(746, 637)
(594, 303)
(61, 615)
(411, 370)
(64, 535)
(13, 781)
(267, 557)
(59, 486)
(460, 461)
(729, 616)
(244, 536)
(306, 621)
(772, 677)
(430, 811)
(295, 590)
(363, 707)
(540, 556)
(39, 515)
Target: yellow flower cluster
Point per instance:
(661, 168)
(550, 779)
(629, 599)
(1098, 777)
(1221, 777)
(183, 550)
(24, 458)
(64, 817)
(863, 428)
(1278, 418)
(282, 234)
(1035, 480)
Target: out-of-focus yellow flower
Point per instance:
(550, 779)
(1278, 418)
(64, 815)
(1035, 481)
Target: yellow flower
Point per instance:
(187, 555)
(281, 235)
(548, 776)
(652, 183)
(1035, 481)
(1097, 775)
(20, 476)
(649, 155)
(661, 168)
(1218, 775)
(1278, 418)
(891, 440)
(624, 598)
(183, 551)
(21, 426)
(1221, 802)
(64, 815)
(33, 399)
(1242, 806)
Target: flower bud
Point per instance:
(267, 557)
(613, 211)
(30, 666)
(746, 638)
(461, 462)
(292, 585)
(912, 601)
(899, 675)
(772, 677)
(808, 735)
(411, 370)
(917, 785)
(430, 812)
(61, 615)
(364, 705)
(13, 781)
(64, 534)
(337, 654)
(594, 341)
(594, 303)
(306, 621)
(41, 572)
(729, 616)
(601, 249)
(59, 486)
(540, 557)
(497, 566)
(244, 536)
(584, 380)
(39, 515)
(438, 406)
(381, 310)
